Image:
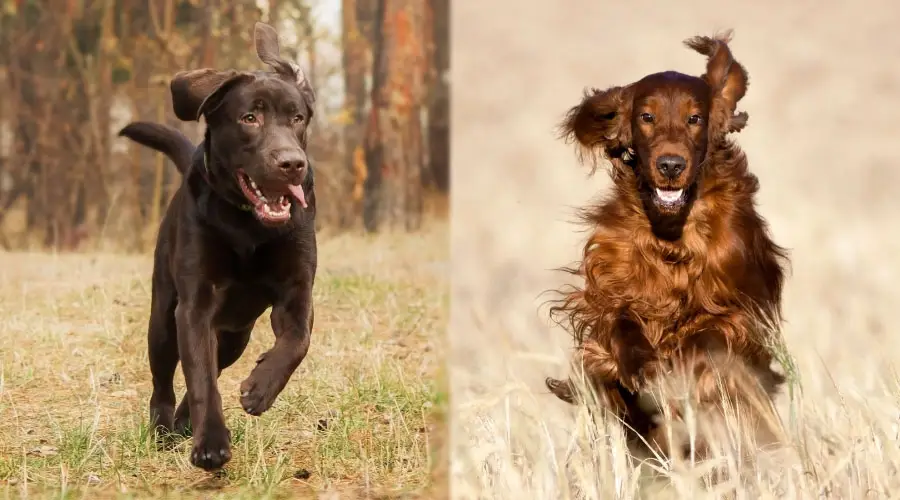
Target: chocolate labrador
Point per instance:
(238, 237)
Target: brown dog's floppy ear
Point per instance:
(600, 124)
(268, 50)
(727, 77)
(194, 92)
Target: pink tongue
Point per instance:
(297, 191)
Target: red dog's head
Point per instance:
(661, 129)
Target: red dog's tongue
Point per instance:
(298, 193)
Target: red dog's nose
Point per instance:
(670, 165)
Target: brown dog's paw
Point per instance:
(256, 397)
(258, 392)
(266, 381)
(212, 450)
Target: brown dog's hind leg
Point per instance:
(162, 343)
(231, 347)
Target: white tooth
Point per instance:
(252, 184)
(669, 195)
(263, 199)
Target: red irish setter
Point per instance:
(679, 270)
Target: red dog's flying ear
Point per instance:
(600, 124)
(727, 78)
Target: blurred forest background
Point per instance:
(73, 72)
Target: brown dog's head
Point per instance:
(257, 128)
(662, 126)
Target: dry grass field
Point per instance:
(823, 102)
(362, 417)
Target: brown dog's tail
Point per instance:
(163, 138)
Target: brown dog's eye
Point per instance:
(694, 119)
(298, 118)
(249, 119)
(647, 117)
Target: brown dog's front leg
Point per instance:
(197, 348)
(291, 322)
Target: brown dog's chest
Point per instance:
(243, 287)
(237, 305)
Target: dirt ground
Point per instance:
(823, 99)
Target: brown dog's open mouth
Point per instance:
(270, 206)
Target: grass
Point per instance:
(516, 441)
(363, 415)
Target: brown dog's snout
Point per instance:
(671, 166)
(290, 160)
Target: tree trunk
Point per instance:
(439, 102)
(374, 147)
(355, 69)
(394, 163)
(412, 76)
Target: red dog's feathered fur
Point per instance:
(679, 268)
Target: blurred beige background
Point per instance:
(823, 137)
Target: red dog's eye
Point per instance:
(647, 117)
(249, 119)
(694, 119)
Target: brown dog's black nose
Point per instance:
(670, 166)
(291, 160)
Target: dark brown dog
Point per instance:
(239, 236)
(679, 272)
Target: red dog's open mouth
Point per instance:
(669, 198)
(269, 205)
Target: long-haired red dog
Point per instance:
(679, 270)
